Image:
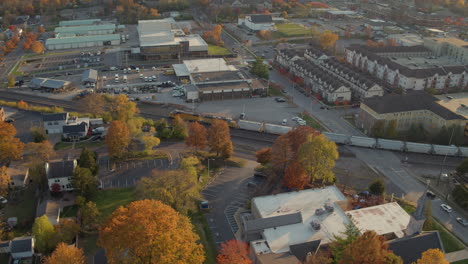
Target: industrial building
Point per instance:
(87, 30)
(164, 39)
(49, 85)
(74, 42)
(214, 79)
(82, 22)
(89, 76)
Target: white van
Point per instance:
(125, 78)
(285, 122)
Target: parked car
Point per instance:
(446, 208)
(280, 100)
(242, 116)
(431, 195)
(3, 200)
(284, 122)
(462, 221)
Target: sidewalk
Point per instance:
(457, 255)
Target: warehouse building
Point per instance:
(79, 22)
(84, 30)
(163, 39)
(71, 42)
(49, 85)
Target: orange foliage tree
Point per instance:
(11, 148)
(196, 136)
(219, 138)
(432, 256)
(328, 39)
(66, 254)
(41, 29)
(233, 252)
(37, 47)
(281, 153)
(295, 176)
(368, 248)
(149, 231)
(117, 138)
(298, 136)
(263, 156)
(4, 181)
(264, 34)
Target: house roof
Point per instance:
(5, 244)
(411, 248)
(382, 219)
(21, 244)
(258, 19)
(60, 169)
(301, 250)
(281, 258)
(54, 117)
(70, 129)
(409, 102)
(271, 222)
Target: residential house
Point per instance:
(76, 131)
(258, 22)
(408, 109)
(53, 123)
(19, 175)
(22, 247)
(61, 173)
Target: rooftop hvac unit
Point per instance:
(319, 211)
(315, 225)
(329, 208)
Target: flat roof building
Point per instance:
(79, 22)
(98, 29)
(73, 42)
(49, 85)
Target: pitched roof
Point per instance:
(54, 117)
(83, 127)
(22, 244)
(261, 19)
(409, 102)
(301, 250)
(60, 169)
(281, 258)
(275, 221)
(411, 248)
(89, 75)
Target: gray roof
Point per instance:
(23, 244)
(410, 102)
(54, 117)
(270, 222)
(301, 250)
(261, 18)
(411, 248)
(5, 244)
(82, 39)
(84, 28)
(79, 22)
(75, 128)
(60, 169)
(48, 83)
(89, 75)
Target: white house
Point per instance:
(22, 247)
(258, 22)
(61, 173)
(53, 123)
(76, 131)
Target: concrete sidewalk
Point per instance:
(457, 255)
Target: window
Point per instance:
(57, 180)
(55, 123)
(49, 123)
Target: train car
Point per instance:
(250, 125)
(337, 138)
(276, 129)
(390, 144)
(445, 150)
(463, 151)
(186, 115)
(207, 118)
(418, 147)
(366, 142)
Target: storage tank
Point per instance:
(390, 144)
(250, 125)
(366, 142)
(276, 129)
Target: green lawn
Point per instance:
(465, 261)
(312, 122)
(450, 243)
(217, 50)
(89, 144)
(289, 30)
(69, 211)
(25, 209)
(109, 200)
(89, 244)
(206, 238)
(275, 91)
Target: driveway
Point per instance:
(226, 194)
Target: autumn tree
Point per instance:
(89, 214)
(284, 14)
(197, 136)
(66, 231)
(88, 159)
(391, 129)
(298, 136)
(216, 33)
(177, 189)
(150, 143)
(84, 182)
(38, 133)
(41, 29)
(233, 252)
(22, 105)
(328, 39)
(122, 109)
(367, 248)
(38, 153)
(117, 139)
(43, 232)
(11, 81)
(66, 254)
(321, 257)
(263, 156)
(179, 128)
(189, 165)
(368, 31)
(295, 176)
(340, 243)
(281, 153)
(377, 187)
(37, 47)
(264, 34)
(432, 256)
(11, 148)
(317, 156)
(219, 138)
(149, 231)
(93, 103)
(391, 258)
(4, 181)
(392, 42)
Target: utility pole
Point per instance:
(445, 157)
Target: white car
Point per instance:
(3, 200)
(446, 208)
(295, 118)
(302, 123)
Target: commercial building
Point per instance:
(87, 30)
(82, 22)
(49, 85)
(75, 42)
(407, 110)
(216, 80)
(163, 39)
(413, 67)
(257, 22)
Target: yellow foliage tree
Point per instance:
(66, 254)
(328, 39)
(149, 231)
(37, 47)
(117, 138)
(4, 181)
(11, 147)
(432, 256)
(317, 157)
